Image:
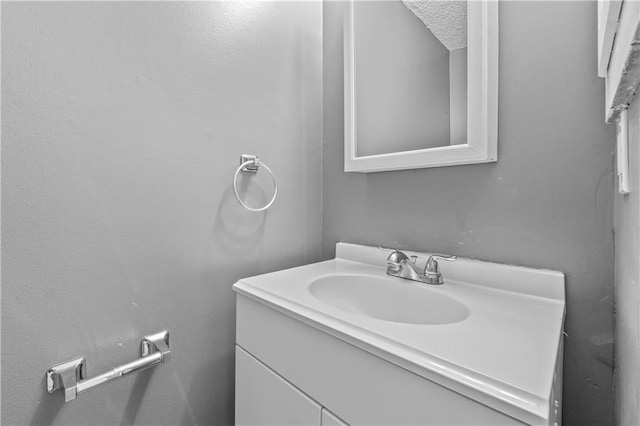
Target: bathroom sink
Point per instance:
(491, 334)
(388, 299)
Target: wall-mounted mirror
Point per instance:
(421, 84)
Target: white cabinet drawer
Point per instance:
(264, 398)
(330, 419)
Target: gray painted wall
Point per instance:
(402, 80)
(546, 203)
(122, 126)
(122, 123)
(458, 96)
(627, 226)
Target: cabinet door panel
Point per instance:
(330, 419)
(264, 398)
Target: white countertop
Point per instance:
(502, 355)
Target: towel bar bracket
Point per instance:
(72, 375)
(158, 342)
(66, 376)
(251, 168)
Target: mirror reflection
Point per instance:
(411, 75)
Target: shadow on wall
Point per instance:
(137, 395)
(214, 405)
(234, 226)
(48, 407)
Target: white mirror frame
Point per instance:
(482, 101)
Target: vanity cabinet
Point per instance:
(330, 419)
(288, 372)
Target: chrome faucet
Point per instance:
(401, 266)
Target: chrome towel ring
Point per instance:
(251, 164)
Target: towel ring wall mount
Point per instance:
(251, 164)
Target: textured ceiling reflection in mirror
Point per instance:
(447, 20)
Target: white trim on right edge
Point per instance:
(608, 14)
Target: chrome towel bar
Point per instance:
(70, 375)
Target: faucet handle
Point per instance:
(397, 256)
(432, 266)
(395, 260)
(391, 249)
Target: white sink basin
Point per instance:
(388, 299)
